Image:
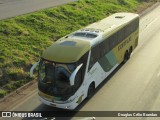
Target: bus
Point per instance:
(70, 69)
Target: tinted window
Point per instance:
(95, 55)
(131, 27)
(104, 47)
(120, 35)
(113, 41)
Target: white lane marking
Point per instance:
(151, 22)
(143, 27)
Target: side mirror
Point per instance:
(32, 68)
(73, 75)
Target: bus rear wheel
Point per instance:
(130, 51)
(126, 56)
(91, 90)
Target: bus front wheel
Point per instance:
(91, 90)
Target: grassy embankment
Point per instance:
(23, 38)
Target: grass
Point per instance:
(2, 93)
(24, 38)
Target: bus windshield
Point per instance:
(54, 77)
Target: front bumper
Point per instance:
(70, 106)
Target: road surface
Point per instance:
(134, 87)
(11, 8)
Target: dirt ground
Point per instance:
(7, 103)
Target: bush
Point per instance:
(2, 93)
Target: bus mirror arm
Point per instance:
(73, 75)
(32, 68)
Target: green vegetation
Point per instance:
(2, 93)
(23, 38)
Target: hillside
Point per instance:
(23, 38)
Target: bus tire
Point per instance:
(130, 51)
(91, 90)
(126, 57)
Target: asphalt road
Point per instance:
(11, 8)
(134, 87)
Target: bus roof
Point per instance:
(114, 21)
(104, 28)
(72, 47)
(66, 51)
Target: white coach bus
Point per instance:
(72, 68)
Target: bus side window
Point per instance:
(91, 63)
(95, 55)
(80, 75)
(136, 24)
(78, 80)
(104, 47)
(120, 35)
(83, 60)
(129, 29)
(112, 41)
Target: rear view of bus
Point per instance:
(70, 70)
